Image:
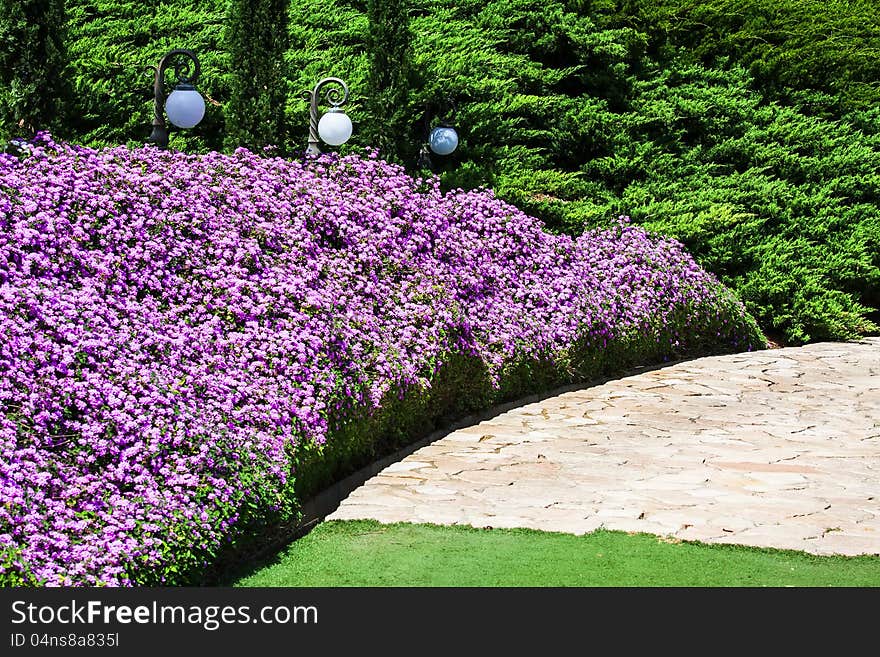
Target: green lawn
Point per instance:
(366, 553)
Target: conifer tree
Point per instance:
(33, 91)
(256, 38)
(389, 44)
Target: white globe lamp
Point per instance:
(335, 127)
(185, 106)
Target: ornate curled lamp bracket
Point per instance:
(336, 96)
(446, 120)
(186, 73)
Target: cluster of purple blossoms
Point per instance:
(172, 326)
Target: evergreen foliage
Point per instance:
(787, 45)
(389, 48)
(257, 40)
(33, 59)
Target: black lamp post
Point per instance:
(335, 127)
(442, 139)
(184, 106)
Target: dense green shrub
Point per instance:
(33, 90)
(782, 205)
(787, 45)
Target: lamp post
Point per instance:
(184, 106)
(335, 127)
(441, 140)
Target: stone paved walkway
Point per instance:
(778, 448)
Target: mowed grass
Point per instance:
(366, 553)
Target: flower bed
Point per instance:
(177, 329)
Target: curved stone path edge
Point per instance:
(777, 448)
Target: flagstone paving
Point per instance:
(777, 448)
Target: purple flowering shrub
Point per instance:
(175, 328)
